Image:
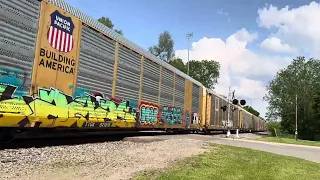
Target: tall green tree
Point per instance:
(164, 48)
(205, 71)
(301, 77)
(251, 110)
(178, 63)
(316, 108)
(107, 22)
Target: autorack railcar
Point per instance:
(60, 68)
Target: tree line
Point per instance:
(301, 79)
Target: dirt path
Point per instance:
(112, 161)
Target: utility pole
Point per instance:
(188, 36)
(296, 133)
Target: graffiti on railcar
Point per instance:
(79, 91)
(13, 76)
(148, 113)
(172, 115)
(55, 108)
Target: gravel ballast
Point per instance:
(109, 160)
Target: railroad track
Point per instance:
(71, 138)
(65, 138)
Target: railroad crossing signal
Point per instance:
(236, 101)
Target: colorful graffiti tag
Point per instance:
(53, 108)
(172, 115)
(15, 77)
(148, 113)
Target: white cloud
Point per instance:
(297, 26)
(221, 12)
(275, 44)
(243, 35)
(248, 86)
(238, 65)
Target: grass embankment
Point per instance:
(234, 163)
(290, 141)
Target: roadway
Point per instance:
(304, 152)
(299, 151)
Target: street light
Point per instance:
(190, 35)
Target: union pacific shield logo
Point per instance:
(60, 32)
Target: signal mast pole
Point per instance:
(228, 115)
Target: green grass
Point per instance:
(234, 163)
(290, 141)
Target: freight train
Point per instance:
(61, 69)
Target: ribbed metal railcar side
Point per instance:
(249, 121)
(255, 123)
(179, 92)
(222, 114)
(214, 117)
(251, 126)
(234, 116)
(243, 119)
(246, 120)
(128, 74)
(258, 126)
(196, 99)
(167, 82)
(261, 127)
(19, 28)
(97, 54)
(150, 81)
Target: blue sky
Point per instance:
(250, 45)
(143, 20)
